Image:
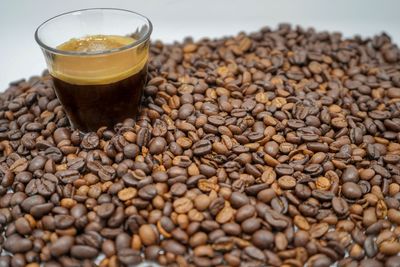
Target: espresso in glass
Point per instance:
(116, 91)
(98, 61)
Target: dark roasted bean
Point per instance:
(17, 244)
(61, 246)
(157, 145)
(40, 210)
(351, 190)
(147, 192)
(202, 148)
(68, 176)
(83, 252)
(90, 141)
(340, 206)
(129, 256)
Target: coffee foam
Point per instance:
(92, 69)
(95, 43)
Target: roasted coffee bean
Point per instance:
(340, 206)
(90, 141)
(105, 210)
(263, 239)
(54, 153)
(68, 176)
(17, 244)
(83, 252)
(244, 213)
(216, 205)
(322, 194)
(32, 201)
(76, 164)
(231, 229)
(238, 199)
(319, 260)
(182, 205)
(224, 215)
(178, 189)
(275, 219)
(106, 173)
(61, 134)
(202, 147)
(350, 174)
(157, 145)
(370, 247)
(287, 182)
(40, 210)
(202, 202)
(173, 247)
(40, 186)
(148, 234)
(147, 192)
(389, 247)
(24, 177)
(351, 190)
(131, 151)
(63, 221)
(37, 163)
(185, 111)
(284, 169)
(61, 246)
(129, 256)
(254, 253)
(159, 128)
(22, 226)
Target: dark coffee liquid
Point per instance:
(92, 106)
(100, 89)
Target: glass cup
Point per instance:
(98, 84)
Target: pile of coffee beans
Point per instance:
(276, 148)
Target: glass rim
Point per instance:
(138, 42)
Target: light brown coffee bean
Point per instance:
(183, 205)
(127, 193)
(224, 215)
(148, 234)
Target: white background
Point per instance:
(20, 57)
